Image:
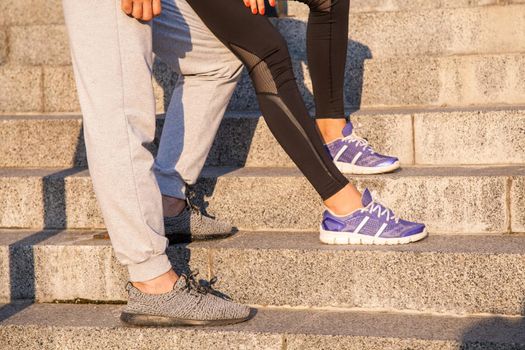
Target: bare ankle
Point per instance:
(172, 206)
(345, 201)
(159, 285)
(331, 129)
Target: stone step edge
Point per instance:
(255, 114)
(254, 172)
(52, 325)
(508, 244)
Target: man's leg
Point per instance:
(112, 61)
(208, 73)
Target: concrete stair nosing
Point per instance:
(74, 326)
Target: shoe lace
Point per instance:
(376, 207)
(191, 198)
(359, 142)
(192, 284)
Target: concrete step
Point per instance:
(298, 9)
(473, 30)
(494, 29)
(416, 81)
(35, 12)
(460, 200)
(442, 274)
(79, 327)
(422, 137)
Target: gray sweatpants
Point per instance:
(112, 60)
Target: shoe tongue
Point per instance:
(367, 198)
(347, 130)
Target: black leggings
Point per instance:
(264, 52)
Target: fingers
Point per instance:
(257, 6)
(137, 9)
(147, 11)
(143, 10)
(253, 5)
(260, 4)
(157, 8)
(127, 6)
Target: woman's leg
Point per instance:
(327, 41)
(263, 50)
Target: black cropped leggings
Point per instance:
(264, 52)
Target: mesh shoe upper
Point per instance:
(352, 147)
(188, 300)
(192, 222)
(373, 219)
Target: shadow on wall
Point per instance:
(496, 333)
(21, 254)
(235, 136)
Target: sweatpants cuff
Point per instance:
(171, 185)
(149, 269)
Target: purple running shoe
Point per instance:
(373, 224)
(353, 155)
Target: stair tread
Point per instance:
(213, 172)
(285, 240)
(74, 318)
(257, 114)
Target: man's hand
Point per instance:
(257, 5)
(144, 10)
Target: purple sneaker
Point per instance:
(353, 155)
(373, 224)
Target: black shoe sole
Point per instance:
(164, 321)
(178, 238)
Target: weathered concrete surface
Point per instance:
(419, 81)
(3, 45)
(39, 45)
(356, 6)
(43, 141)
(243, 140)
(26, 12)
(60, 93)
(517, 203)
(442, 137)
(470, 137)
(444, 81)
(20, 89)
(73, 327)
(52, 265)
(461, 274)
(448, 200)
(495, 29)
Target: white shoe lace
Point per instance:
(359, 141)
(381, 210)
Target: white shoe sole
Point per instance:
(347, 168)
(334, 237)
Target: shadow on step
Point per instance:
(22, 262)
(496, 333)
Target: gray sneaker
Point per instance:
(193, 225)
(188, 304)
